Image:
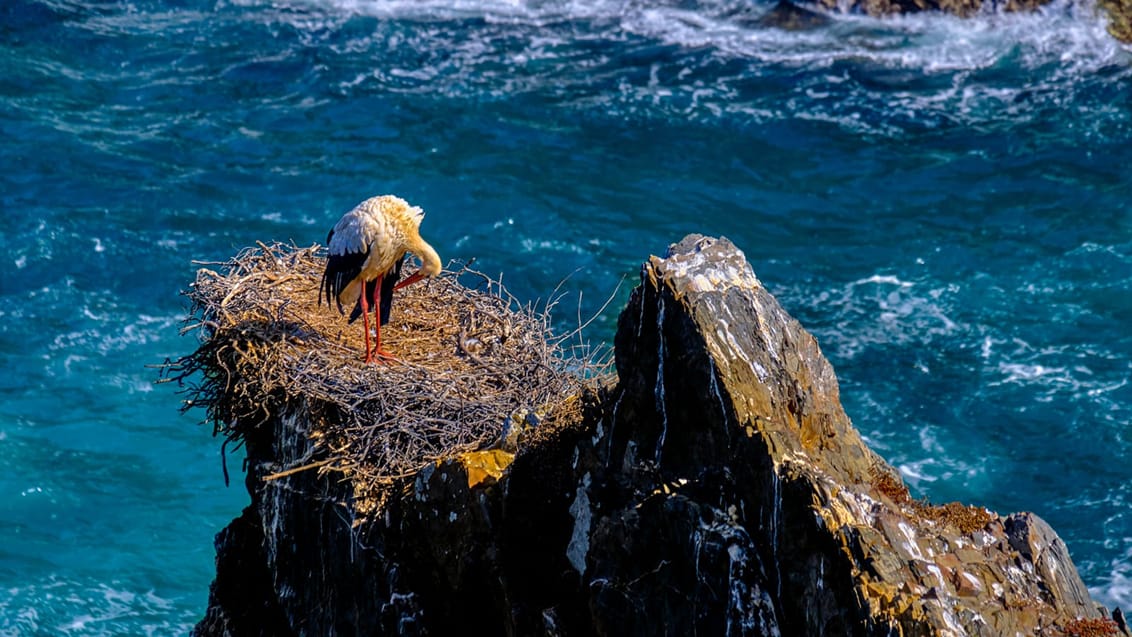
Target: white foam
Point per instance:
(1058, 371)
(542, 246)
(61, 606)
(884, 310)
(702, 59)
(1116, 590)
(915, 473)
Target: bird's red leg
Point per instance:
(378, 354)
(365, 321)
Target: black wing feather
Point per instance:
(340, 270)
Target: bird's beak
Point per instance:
(413, 278)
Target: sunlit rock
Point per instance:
(717, 488)
(1119, 18)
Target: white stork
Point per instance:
(367, 247)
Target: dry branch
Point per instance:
(470, 357)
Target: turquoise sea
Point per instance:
(944, 203)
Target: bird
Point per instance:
(366, 250)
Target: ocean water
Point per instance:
(944, 203)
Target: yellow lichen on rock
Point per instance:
(485, 467)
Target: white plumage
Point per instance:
(366, 250)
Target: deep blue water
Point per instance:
(944, 203)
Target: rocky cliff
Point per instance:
(715, 488)
(794, 17)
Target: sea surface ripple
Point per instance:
(942, 202)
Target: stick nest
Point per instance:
(471, 362)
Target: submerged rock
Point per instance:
(791, 17)
(717, 488)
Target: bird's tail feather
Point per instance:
(330, 286)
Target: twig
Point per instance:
(294, 470)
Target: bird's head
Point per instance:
(430, 262)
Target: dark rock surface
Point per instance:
(962, 8)
(796, 17)
(788, 16)
(718, 488)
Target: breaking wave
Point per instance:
(709, 60)
(62, 607)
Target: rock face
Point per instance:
(788, 16)
(718, 488)
(962, 8)
(794, 17)
(1119, 18)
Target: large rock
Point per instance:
(718, 488)
(962, 8)
(789, 16)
